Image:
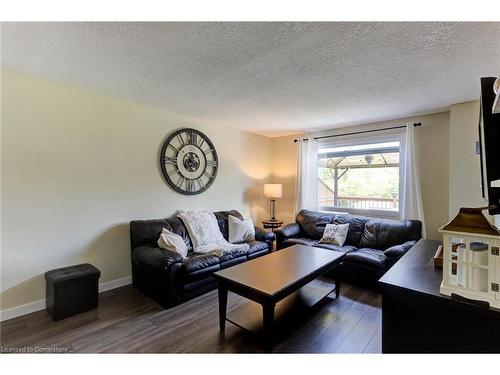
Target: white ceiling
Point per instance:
(267, 78)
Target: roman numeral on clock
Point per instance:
(180, 182)
(193, 138)
(190, 185)
(171, 161)
(173, 148)
(208, 151)
(181, 140)
(201, 143)
(173, 172)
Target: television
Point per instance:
(489, 146)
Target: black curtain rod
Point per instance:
(416, 124)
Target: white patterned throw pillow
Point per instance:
(173, 242)
(335, 234)
(240, 230)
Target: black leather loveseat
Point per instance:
(167, 278)
(371, 248)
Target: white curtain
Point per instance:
(306, 185)
(411, 202)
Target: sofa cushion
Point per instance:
(155, 257)
(300, 241)
(233, 262)
(366, 256)
(178, 227)
(341, 249)
(356, 227)
(256, 246)
(257, 254)
(312, 223)
(228, 255)
(383, 233)
(197, 262)
(147, 232)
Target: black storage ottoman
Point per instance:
(71, 290)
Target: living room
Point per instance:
(250, 187)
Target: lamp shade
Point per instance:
(272, 190)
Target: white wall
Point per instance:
(77, 167)
(465, 172)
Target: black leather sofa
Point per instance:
(167, 278)
(371, 248)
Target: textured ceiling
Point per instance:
(268, 78)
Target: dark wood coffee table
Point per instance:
(279, 282)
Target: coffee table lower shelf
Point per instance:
(249, 315)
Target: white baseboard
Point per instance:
(28, 308)
(113, 284)
(22, 310)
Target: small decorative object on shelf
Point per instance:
(438, 257)
(471, 257)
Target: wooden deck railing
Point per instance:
(361, 202)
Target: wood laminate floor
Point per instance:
(127, 321)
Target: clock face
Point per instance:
(188, 161)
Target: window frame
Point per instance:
(368, 138)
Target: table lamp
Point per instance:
(272, 191)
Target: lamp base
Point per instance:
(272, 202)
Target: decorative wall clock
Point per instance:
(188, 161)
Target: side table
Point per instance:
(272, 224)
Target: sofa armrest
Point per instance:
(263, 235)
(286, 232)
(398, 251)
(154, 257)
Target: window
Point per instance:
(360, 176)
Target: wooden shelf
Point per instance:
(249, 315)
(483, 266)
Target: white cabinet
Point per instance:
(471, 266)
